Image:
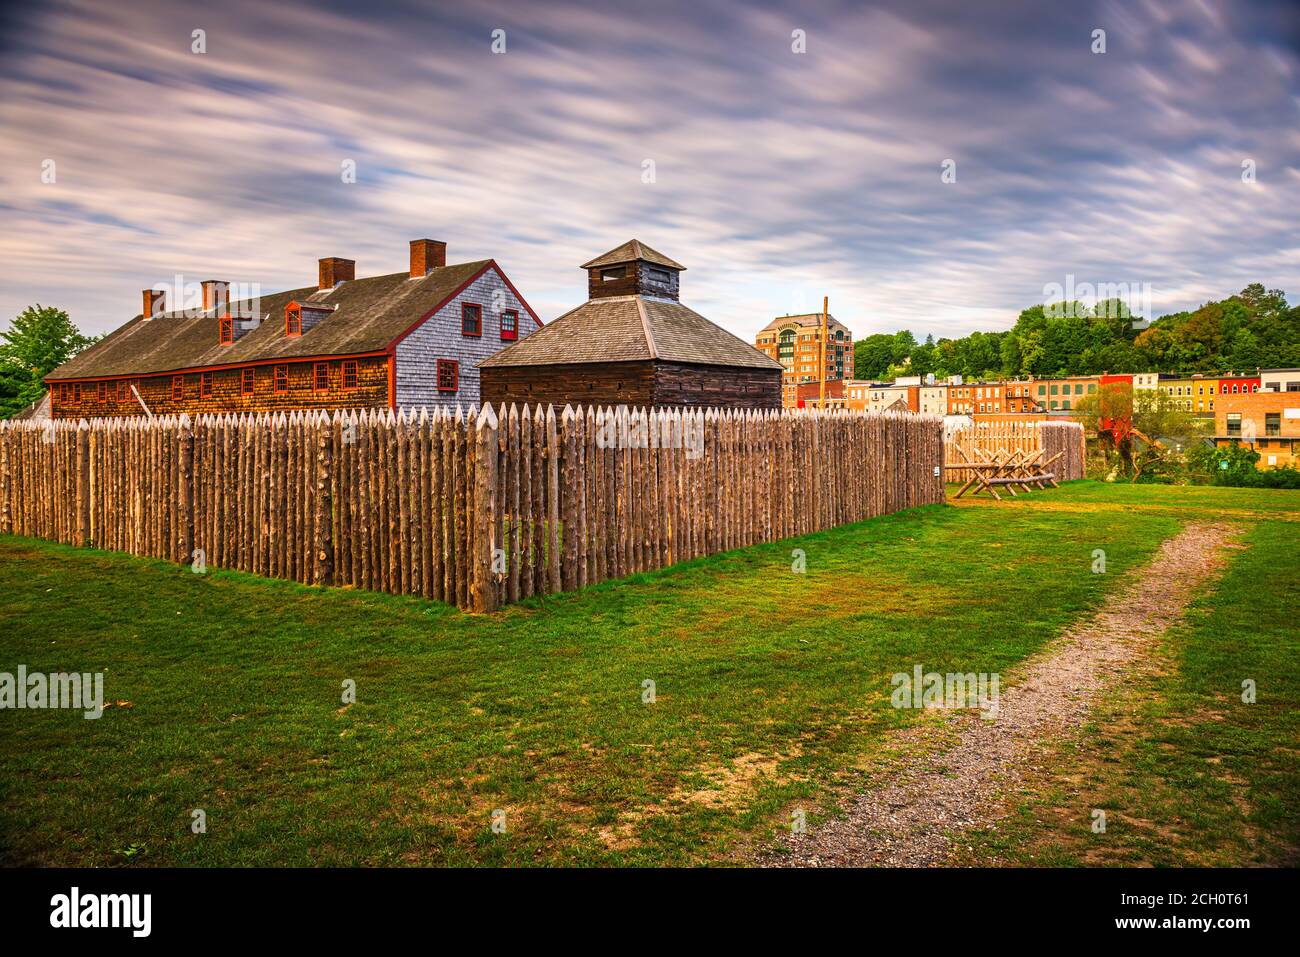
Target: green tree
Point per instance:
(40, 339)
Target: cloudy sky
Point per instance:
(779, 176)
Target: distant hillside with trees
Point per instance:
(1253, 329)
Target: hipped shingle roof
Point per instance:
(629, 329)
(631, 251)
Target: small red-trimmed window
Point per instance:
(281, 378)
(102, 392)
(178, 388)
(510, 324)
(471, 319)
(227, 330)
(205, 384)
(248, 381)
(448, 375)
(293, 319)
(321, 374)
(63, 392)
(123, 390)
(349, 373)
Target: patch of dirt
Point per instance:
(912, 820)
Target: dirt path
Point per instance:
(910, 822)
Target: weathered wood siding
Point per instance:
(683, 385)
(602, 383)
(227, 392)
(440, 337)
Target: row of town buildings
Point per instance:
(1261, 411)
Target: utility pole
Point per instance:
(826, 303)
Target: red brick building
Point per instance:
(404, 340)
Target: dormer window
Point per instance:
(227, 330)
(616, 272)
(293, 319)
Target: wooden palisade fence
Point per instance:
(1029, 437)
(477, 509)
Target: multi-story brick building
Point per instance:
(1266, 421)
(795, 342)
(404, 340)
(991, 398)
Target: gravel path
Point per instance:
(910, 822)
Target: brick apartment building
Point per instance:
(404, 340)
(1266, 421)
(795, 342)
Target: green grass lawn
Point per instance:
(1187, 772)
(772, 691)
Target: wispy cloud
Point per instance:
(781, 177)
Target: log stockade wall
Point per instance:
(1005, 437)
(478, 509)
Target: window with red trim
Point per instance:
(248, 381)
(510, 324)
(281, 378)
(123, 390)
(448, 375)
(349, 373)
(102, 392)
(178, 388)
(227, 330)
(293, 319)
(321, 373)
(63, 392)
(205, 385)
(471, 319)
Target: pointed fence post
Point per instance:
(483, 540)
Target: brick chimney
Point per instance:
(216, 292)
(154, 302)
(334, 271)
(426, 254)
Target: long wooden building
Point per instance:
(633, 343)
(403, 340)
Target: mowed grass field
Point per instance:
(771, 693)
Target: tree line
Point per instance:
(1253, 329)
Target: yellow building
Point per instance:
(795, 342)
(1195, 393)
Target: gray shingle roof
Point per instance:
(371, 313)
(631, 251)
(628, 329)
